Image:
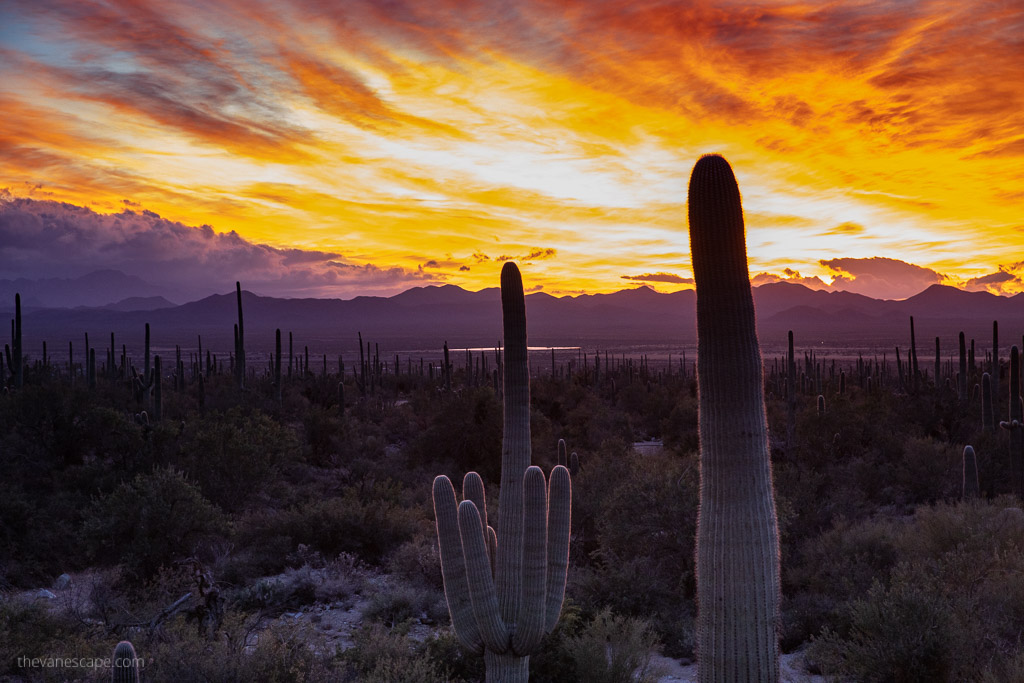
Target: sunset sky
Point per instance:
(336, 149)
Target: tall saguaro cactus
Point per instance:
(14, 351)
(240, 341)
(737, 532)
(505, 588)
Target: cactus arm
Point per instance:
(453, 566)
(738, 588)
(559, 525)
(531, 621)
(492, 548)
(482, 593)
(561, 453)
(515, 443)
(473, 489)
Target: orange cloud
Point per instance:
(393, 132)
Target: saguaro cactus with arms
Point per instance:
(505, 588)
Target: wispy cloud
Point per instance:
(660, 277)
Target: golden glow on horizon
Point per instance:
(438, 147)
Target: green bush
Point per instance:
(613, 649)
(381, 655)
(243, 651)
(235, 455)
(151, 521)
(899, 634)
(364, 522)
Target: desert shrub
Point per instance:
(444, 647)
(31, 630)
(466, 431)
(613, 649)
(642, 513)
(387, 656)
(394, 604)
(899, 634)
(418, 560)
(274, 596)
(281, 653)
(150, 521)
(234, 455)
(951, 608)
(365, 523)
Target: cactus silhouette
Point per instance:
(970, 484)
(14, 352)
(240, 340)
(737, 532)
(505, 588)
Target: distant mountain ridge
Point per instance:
(426, 317)
(98, 288)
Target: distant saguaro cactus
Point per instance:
(277, 365)
(1016, 427)
(505, 589)
(987, 414)
(240, 341)
(158, 403)
(737, 532)
(961, 383)
(14, 353)
(970, 485)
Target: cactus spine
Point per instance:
(737, 533)
(125, 667)
(505, 589)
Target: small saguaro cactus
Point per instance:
(738, 588)
(505, 588)
(125, 664)
(970, 486)
(821, 405)
(277, 365)
(1016, 426)
(158, 403)
(987, 414)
